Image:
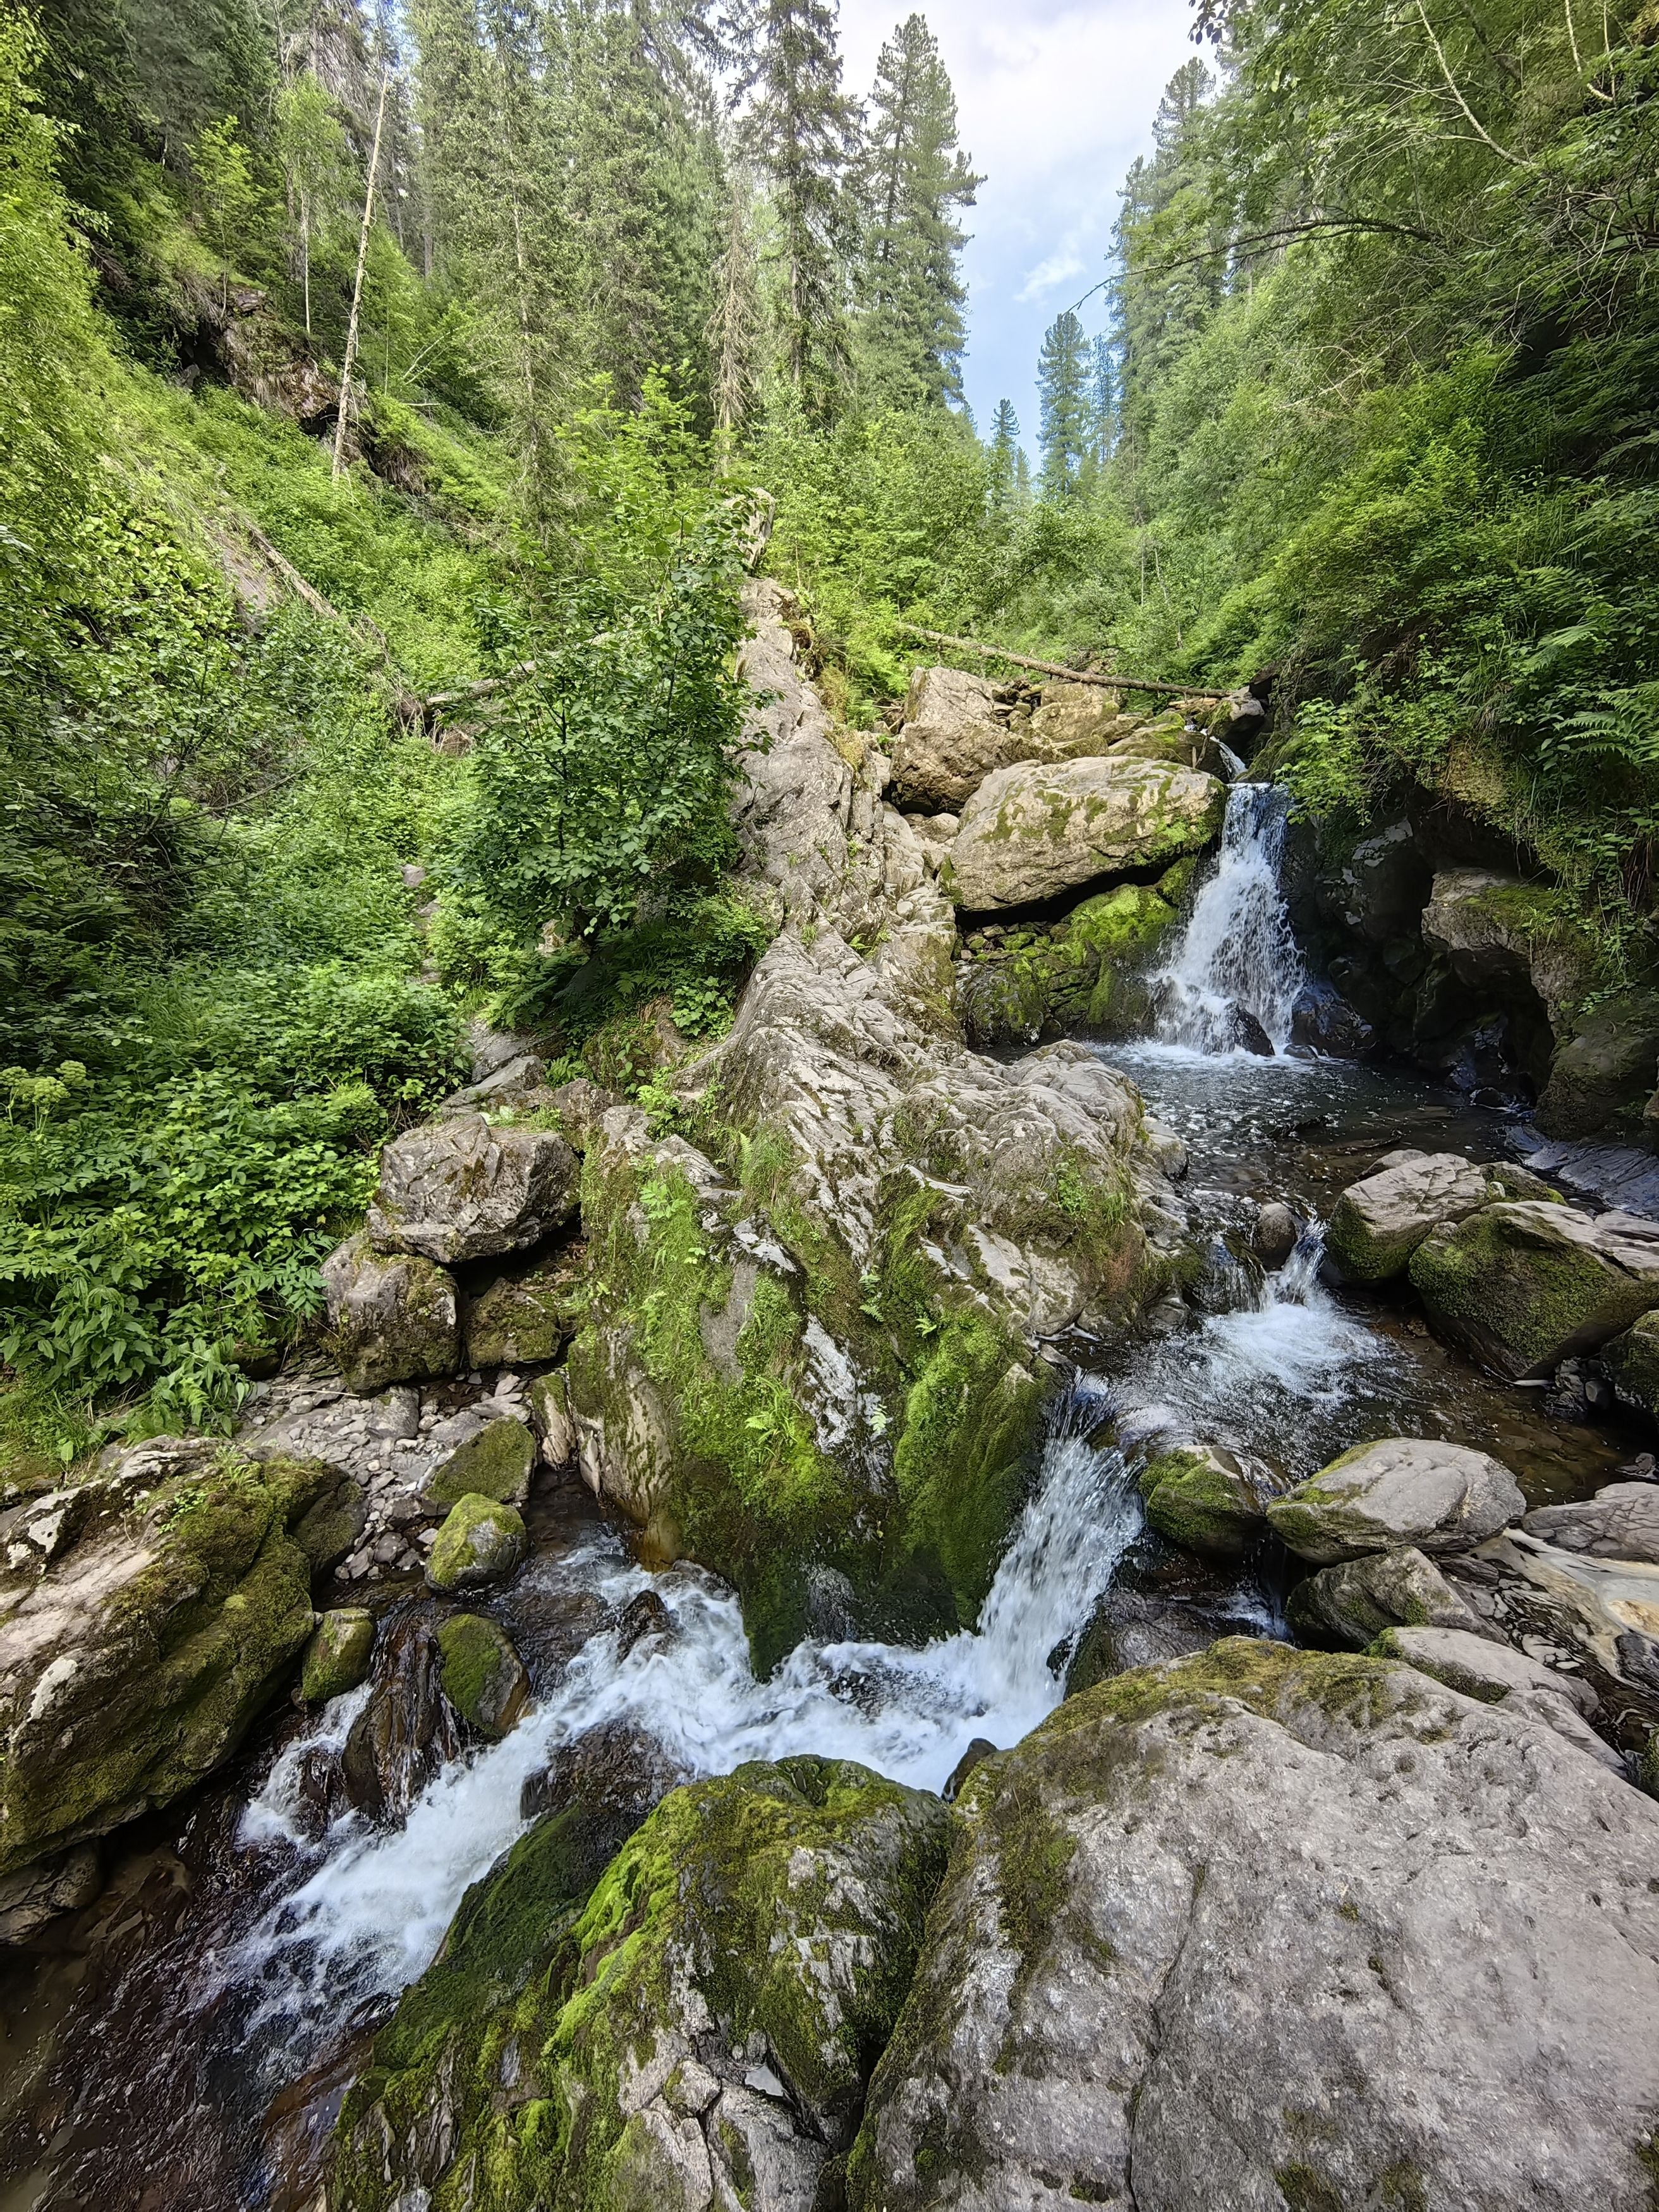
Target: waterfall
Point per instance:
(1234, 977)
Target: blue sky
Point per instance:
(1055, 101)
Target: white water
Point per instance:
(1238, 951)
(371, 1913)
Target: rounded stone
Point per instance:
(483, 1675)
(336, 1658)
(1406, 1489)
(482, 1541)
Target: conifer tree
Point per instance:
(914, 178)
(1103, 396)
(734, 326)
(1005, 455)
(1063, 386)
(801, 130)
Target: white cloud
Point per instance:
(1055, 101)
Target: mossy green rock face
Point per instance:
(1527, 1286)
(524, 1316)
(1208, 1939)
(1202, 1499)
(482, 1541)
(135, 1661)
(391, 1317)
(483, 1675)
(1351, 1604)
(698, 2031)
(494, 1461)
(1605, 1066)
(1633, 1360)
(1033, 832)
(1085, 973)
(338, 1656)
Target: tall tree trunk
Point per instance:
(344, 415)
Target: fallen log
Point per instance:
(1053, 668)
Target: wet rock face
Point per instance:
(393, 1317)
(708, 2017)
(526, 1315)
(1621, 1522)
(478, 1453)
(1205, 1499)
(406, 1733)
(1409, 1490)
(483, 1677)
(1031, 832)
(132, 1662)
(1526, 1285)
(337, 1656)
(462, 1190)
(1377, 1223)
(1351, 1604)
(1113, 2006)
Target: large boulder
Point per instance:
(483, 1675)
(143, 1631)
(1621, 1522)
(1265, 1928)
(481, 1454)
(1352, 1603)
(339, 1655)
(1498, 1674)
(1500, 934)
(464, 1190)
(393, 1317)
(1415, 1490)
(1632, 1361)
(1204, 1498)
(697, 2031)
(1527, 1284)
(1033, 832)
(1377, 1223)
(481, 1541)
(1084, 973)
(1604, 1064)
(951, 740)
(524, 1315)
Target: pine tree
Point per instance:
(1103, 396)
(801, 130)
(1063, 386)
(1005, 455)
(915, 177)
(734, 326)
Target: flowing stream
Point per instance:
(197, 2051)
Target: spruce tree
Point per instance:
(1063, 386)
(1005, 455)
(914, 178)
(801, 130)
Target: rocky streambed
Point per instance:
(1073, 1621)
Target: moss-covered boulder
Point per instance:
(134, 1659)
(1525, 1285)
(1085, 973)
(1202, 1498)
(1603, 1066)
(482, 1541)
(1416, 1490)
(1633, 1360)
(337, 1656)
(699, 2029)
(525, 1314)
(1033, 832)
(1351, 1604)
(483, 1677)
(391, 1317)
(1379, 1222)
(480, 1456)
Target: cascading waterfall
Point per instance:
(372, 1909)
(1233, 978)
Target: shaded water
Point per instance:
(193, 2042)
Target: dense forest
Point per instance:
(385, 396)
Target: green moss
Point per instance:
(1197, 1502)
(482, 1541)
(1516, 1294)
(1305, 2190)
(338, 1656)
(523, 1317)
(496, 1463)
(481, 1676)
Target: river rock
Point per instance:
(1407, 1490)
(1632, 1363)
(1114, 2006)
(482, 1541)
(482, 1676)
(1496, 931)
(1621, 1522)
(1580, 1615)
(1275, 1234)
(1378, 1223)
(1353, 1602)
(1086, 972)
(337, 1656)
(1204, 1497)
(1526, 1285)
(134, 1660)
(462, 1190)
(35, 1896)
(406, 1733)
(1031, 832)
(721, 1995)
(549, 1399)
(526, 1313)
(1492, 1671)
(949, 741)
(1132, 1628)
(481, 1454)
(392, 1317)
(618, 1769)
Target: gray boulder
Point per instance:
(1378, 1223)
(481, 1453)
(951, 740)
(1526, 1285)
(393, 1317)
(462, 1190)
(1352, 1603)
(1267, 1929)
(1580, 1615)
(1032, 832)
(1498, 1674)
(1621, 1522)
(1406, 1489)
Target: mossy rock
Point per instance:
(497, 1462)
(1633, 1360)
(762, 1926)
(525, 1316)
(1527, 1284)
(483, 1678)
(1604, 1067)
(338, 1656)
(1202, 1498)
(482, 1541)
(1085, 973)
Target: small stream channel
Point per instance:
(189, 2041)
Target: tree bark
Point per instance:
(344, 414)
